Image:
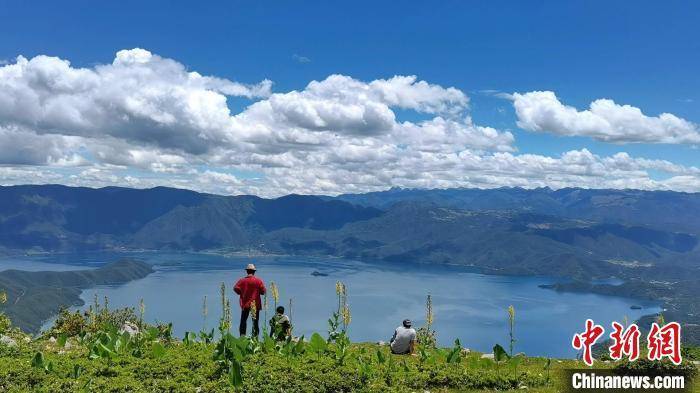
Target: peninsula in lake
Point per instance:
(36, 296)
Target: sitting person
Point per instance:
(280, 326)
(404, 340)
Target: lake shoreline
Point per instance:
(458, 291)
(560, 286)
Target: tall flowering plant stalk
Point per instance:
(275, 292)
(429, 311)
(339, 289)
(206, 336)
(227, 315)
(341, 315)
(426, 336)
(264, 306)
(205, 312)
(225, 321)
(290, 316)
(343, 311)
(142, 312)
(511, 325)
(222, 293)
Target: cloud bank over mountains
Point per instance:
(144, 120)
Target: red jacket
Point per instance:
(250, 288)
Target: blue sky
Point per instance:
(643, 54)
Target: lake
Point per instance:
(467, 305)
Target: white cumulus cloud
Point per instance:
(605, 120)
(140, 97)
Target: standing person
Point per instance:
(404, 340)
(249, 288)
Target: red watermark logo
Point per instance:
(662, 341)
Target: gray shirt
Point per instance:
(401, 342)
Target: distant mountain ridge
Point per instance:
(499, 242)
(676, 211)
(642, 226)
(570, 232)
(60, 218)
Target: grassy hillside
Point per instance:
(187, 368)
(87, 352)
(33, 297)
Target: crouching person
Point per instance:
(280, 325)
(404, 340)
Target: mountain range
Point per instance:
(569, 232)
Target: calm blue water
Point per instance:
(467, 305)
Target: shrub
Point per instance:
(4, 320)
(691, 353)
(656, 367)
(69, 323)
(116, 317)
(77, 322)
(426, 337)
(5, 323)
